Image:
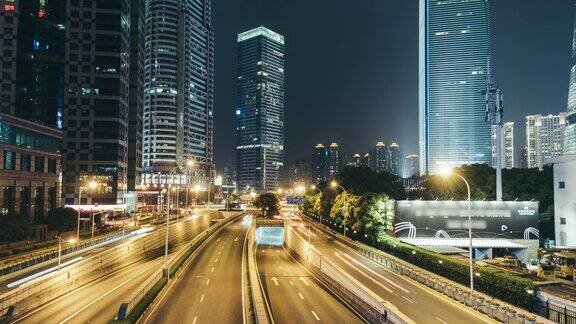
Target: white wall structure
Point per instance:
(565, 200)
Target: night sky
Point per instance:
(351, 67)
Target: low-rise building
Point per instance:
(565, 200)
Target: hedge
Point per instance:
(141, 307)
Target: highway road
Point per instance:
(294, 295)
(418, 302)
(208, 289)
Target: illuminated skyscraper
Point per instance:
(454, 50)
(259, 109)
(334, 160)
(569, 146)
(507, 145)
(544, 138)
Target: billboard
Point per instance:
(449, 219)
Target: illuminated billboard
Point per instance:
(449, 219)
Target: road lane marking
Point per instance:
(216, 260)
(236, 239)
(202, 298)
(212, 270)
(302, 297)
(284, 273)
(195, 319)
(376, 273)
(314, 313)
(408, 299)
(275, 280)
(367, 276)
(304, 281)
(291, 283)
(279, 267)
(207, 282)
(276, 262)
(441, 320)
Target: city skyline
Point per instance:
(396, 86)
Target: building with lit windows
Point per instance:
(259, 109)
(454, 38)
(544, 138)
(334, 160)
(320, 163)
(507, 145)
(179, 91)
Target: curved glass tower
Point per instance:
(454, 51)
(570, 130)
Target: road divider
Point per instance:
(140, 300)
(262, 313)
(369, 305)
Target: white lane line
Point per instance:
(207, 282)
(408, 299)
(216, 260)
(276, 262)
(284, 273)
(279, 267)
(26, 280)
(360, 271)
(218, 240)
(304, 281)
(236, 239)
(195, 319)
(301, 297)
(275, 280)
(202, 298)
(441, 320)
(376, 273)
(291, 283)
(314, 313)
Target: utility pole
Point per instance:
(494, 115)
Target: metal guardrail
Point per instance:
(262, 311)
(57, 283)
(367, 303)
(143, 289)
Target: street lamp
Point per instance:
(60, 249)
(448, 172)
(91, 185)
(335, 185)
(189, 163)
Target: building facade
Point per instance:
(98, 99)
(395, 160)
(381, 157)
(507, 145)
(30, 168)
(411, 166)
(564, 205)
(334, 160)
(179, 91)
(454, 38)
(544, 138)
(32, 46)
(320, 163)
(259, 109)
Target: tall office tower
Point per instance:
(334, 160)
(569, 145)
(380, 156)
(454, 50)
(356, 160)
(395, 159)
(260, 109)
(32, 44)
(179, 91)
(544, 138)
(97, 97)
(507, 145)
(366, 160)
(523, 154)
(411, 166)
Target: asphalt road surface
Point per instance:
(418, 302)
(209, 289)
(294, 295)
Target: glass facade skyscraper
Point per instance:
(454, 39)
(570, 130)
(259, 109)
(179, 88)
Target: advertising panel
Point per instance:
(449, 219)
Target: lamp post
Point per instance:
(335, 185)
(448, 172)
(91, 185)
(189, 163)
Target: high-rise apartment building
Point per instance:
(320, 163)
(507, 145)
(179, 91)
(380, 155)
(334, 160)
(32, 44)
(569, 144)
(395, 159)
(259, 109)
(454, 50)
(100, 98)
(544, 138)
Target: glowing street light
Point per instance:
(446, 173)
(91, 185)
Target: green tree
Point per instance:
(13, 228)
(360, 180)
(62, 219)
(374, 216)
(269, 203)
